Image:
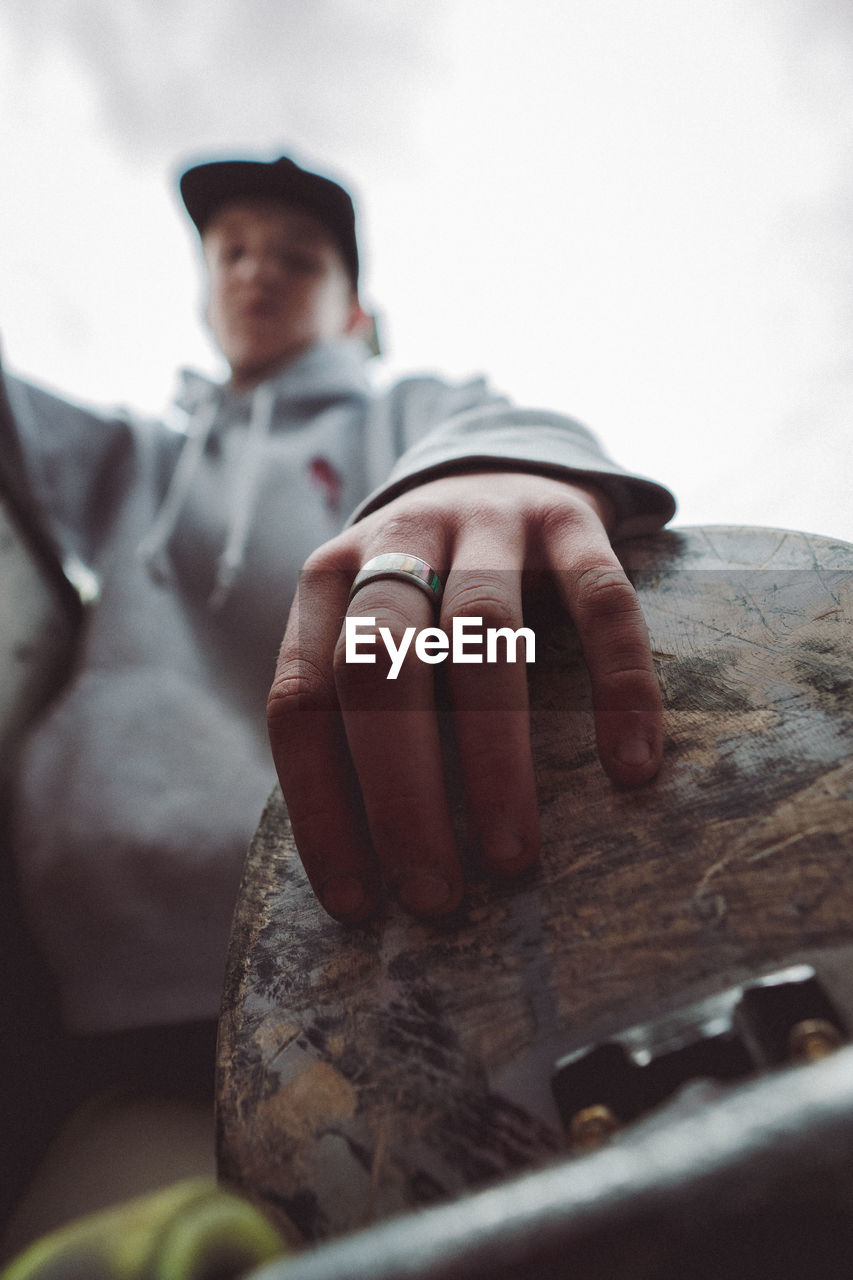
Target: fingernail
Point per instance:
(634, 750)
(503, 849)
(424, 893)
(343, 896)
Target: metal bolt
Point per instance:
(813, 1038)
(592, 1126)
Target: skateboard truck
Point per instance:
(776, 1020)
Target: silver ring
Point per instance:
(397, 564)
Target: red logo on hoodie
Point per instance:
(324, 475)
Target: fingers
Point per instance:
(625, 690)
(311, 755)
(393, 732)
(490, 705)
(358, 754)
(357, 742)
(393, 737)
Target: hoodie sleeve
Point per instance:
(426, 428)
(69, 466)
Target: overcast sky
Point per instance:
(636, 213)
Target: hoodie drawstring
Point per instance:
(154, 547)
(329, 376)
(245, 491)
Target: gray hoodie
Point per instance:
(140, 788)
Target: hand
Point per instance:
(358, 754)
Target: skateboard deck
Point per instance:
(367, 1071)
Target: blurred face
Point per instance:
(277, 284)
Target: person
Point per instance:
(139, 789)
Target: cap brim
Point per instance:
(205, 188)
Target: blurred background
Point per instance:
(636, 213)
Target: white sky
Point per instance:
(636, 213)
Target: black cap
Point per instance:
(205, 187)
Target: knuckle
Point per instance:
(330, 557)
(628, 676)
(300, 689)
(622, 652)
(564, 515)
(407, 526)
(497, 513)
(319, 561)
(479, 596)
(605, 594)
(486, 509)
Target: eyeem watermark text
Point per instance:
(467, 643)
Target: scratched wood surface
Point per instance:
(366, 1071)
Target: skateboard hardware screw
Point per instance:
(592, 1126)
(813, 1038)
